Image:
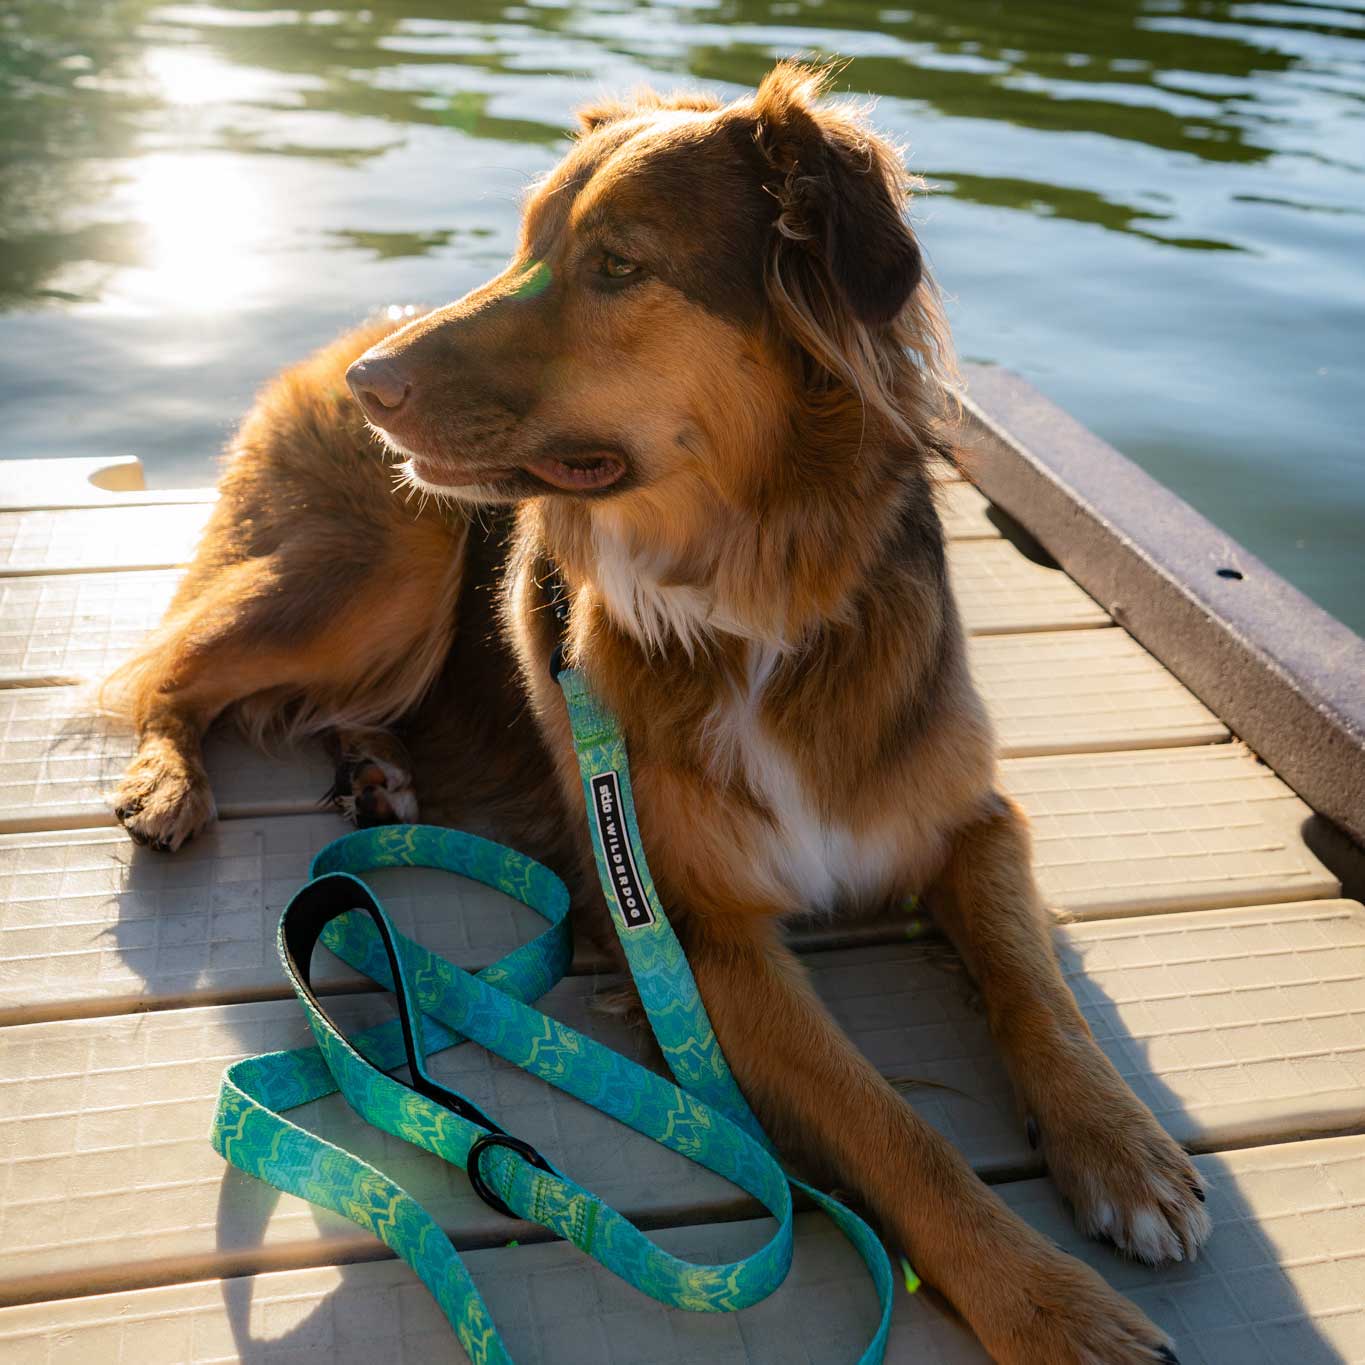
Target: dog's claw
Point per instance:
(1168, 1356)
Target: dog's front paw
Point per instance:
(164, 799)
(1052, 1310)
(373, 783)
(1127, 1180)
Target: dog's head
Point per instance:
(688, 278)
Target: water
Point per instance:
(1155, 211)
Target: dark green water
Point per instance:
(1155, 211)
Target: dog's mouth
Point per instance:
(582, 472)
(568, 467)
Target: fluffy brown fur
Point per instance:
(705, 391)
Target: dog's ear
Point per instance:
(593, 116)
(606, 110)
(840, 194)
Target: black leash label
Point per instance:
(614, 837)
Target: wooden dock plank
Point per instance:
(1048, 692)
(1238, 1026)
(66, 628)
(108, 481)
(82, 539)
(1074, 691)
(1161, 829)
(999, 591)
(553, 1305)
(72, 540)
(59, 624)
(95, 924)
(58, 762)
(964, 512)
(58, 759)
(49, 483)
(1281, 1282)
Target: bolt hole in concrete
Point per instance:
(1230, 573)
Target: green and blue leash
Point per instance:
(439, 1005)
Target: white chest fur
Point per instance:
(660, 615)
(656, 614)
(807, 856)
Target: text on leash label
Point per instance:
(614, 838)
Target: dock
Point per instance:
(1198, 855)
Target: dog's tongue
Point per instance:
(579, 475)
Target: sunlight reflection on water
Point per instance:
(207, 235)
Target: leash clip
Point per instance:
(481, 1186)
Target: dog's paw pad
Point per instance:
(373, 791)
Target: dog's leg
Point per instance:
(164, 797)
(372, 653)
(816, 1093)
(198, 663)
(373, 779)
(1126, 1178)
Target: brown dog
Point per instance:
(707, 385)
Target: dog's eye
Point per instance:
(616, 267)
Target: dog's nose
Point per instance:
(380, 384)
